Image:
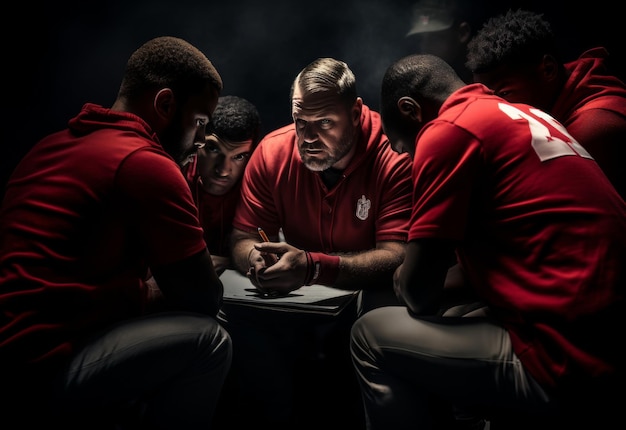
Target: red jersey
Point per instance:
(593, 101)
(86, 211)
(216, 212)
(541, 233)
(371, 202)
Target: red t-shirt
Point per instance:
(85, 213)
(592, 106)
(542, 234)
(216, 212)
(370, 203)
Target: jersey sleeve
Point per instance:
(160, 199)
(395, 211)
(445, 171)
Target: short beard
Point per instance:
(343, 147)
(171, 141)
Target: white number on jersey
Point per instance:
(545, 145)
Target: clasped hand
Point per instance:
(276, 268)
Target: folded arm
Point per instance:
(191, 284)
(420, 279)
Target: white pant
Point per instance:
(402, 362)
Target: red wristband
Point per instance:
(323, 269)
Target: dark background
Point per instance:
(63, 54)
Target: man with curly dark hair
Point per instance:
(215, 169)
(86, 212)
(516, 55)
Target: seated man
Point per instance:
(86, 212)
(342, 197)
(215, 169)
(494, 184)
(515, 54)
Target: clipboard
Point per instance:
(316, 299)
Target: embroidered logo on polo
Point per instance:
(363, 206)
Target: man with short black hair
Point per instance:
(541, 235)
(85, 213)
(215, 169)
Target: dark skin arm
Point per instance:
(420, 279)
(363, 270)
(191, 284)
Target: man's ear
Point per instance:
(410, 109)
(356, 111)
(165, 105)
(549, 68)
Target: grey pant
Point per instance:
(403, 363)
(167, 367)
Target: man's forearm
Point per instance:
(241, 243)
(371, 269)
(240, 252)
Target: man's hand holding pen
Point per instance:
(276, 267)
(259, 260)
(269, 257)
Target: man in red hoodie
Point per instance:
(515, 54)
(215, 169)
(85, 213)
(342, 198)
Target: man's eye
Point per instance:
(323, 124)
(211, 147)
(241, 157)
(300, 124)
(200, 122)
